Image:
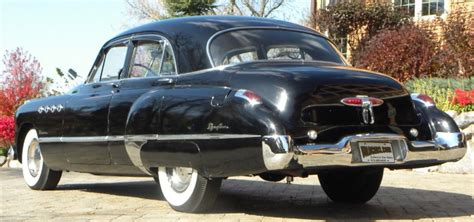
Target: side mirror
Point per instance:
(72, 74)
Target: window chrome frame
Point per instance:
(166, 42)
(215, 35)
(127, 40)
(100, 59)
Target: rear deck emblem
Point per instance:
(211, 127)
(367, 104)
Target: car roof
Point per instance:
(209, 25)
(189, 35)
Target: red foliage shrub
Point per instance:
(403, 54)
(20, 80)
(7, 131)
(457, 48)
(463, 98)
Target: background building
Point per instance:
(420, 10)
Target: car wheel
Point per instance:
(35, 172)
(186, 190)
(355, 186)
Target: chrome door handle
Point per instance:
(163, 81)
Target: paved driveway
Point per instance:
(404, 195)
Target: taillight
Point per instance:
(423, 98)
(357, 101)
(353, 101)
(375, 101)
(249, 96)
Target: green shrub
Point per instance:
(3, 151)
(442, 91)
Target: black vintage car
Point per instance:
(192, 101)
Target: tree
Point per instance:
(21, 80)
(7, 132)
(258, 8)
(189, 7)
(162, 9)
(146, 10)
(457, 47)
(357, 22)
(403, 53)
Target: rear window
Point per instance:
(263, 44)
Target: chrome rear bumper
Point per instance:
(280, 153)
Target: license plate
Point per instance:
(376, 152)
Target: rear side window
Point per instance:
(147, 58)
(152, 58)
(168, 67)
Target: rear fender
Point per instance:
(442, 128)
(209, 128)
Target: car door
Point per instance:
(152, 67)
(87, 111)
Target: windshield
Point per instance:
(263, 44)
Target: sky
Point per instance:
(69, 33)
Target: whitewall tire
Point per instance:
(35, 172)
(187, 191)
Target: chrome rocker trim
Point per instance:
(279, 151)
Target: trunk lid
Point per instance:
(315, 90)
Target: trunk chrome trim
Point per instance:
(143, 138)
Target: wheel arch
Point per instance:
(21, 133)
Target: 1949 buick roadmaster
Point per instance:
(192, 101)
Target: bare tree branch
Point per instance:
(146, 10)
(261, 8)
(250, 6)
(275, 6)
(234, 5)
(263, 5)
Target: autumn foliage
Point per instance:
(404, 53)
(7, 131)
(457, 49)
(20, 80)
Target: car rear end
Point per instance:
(342, 121)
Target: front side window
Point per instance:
(406, 6)
(432, 7)
(114, 60)
(152, 59)
(110, 65)
(263, 44)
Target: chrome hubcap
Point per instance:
(179, 178)
(34, 158)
